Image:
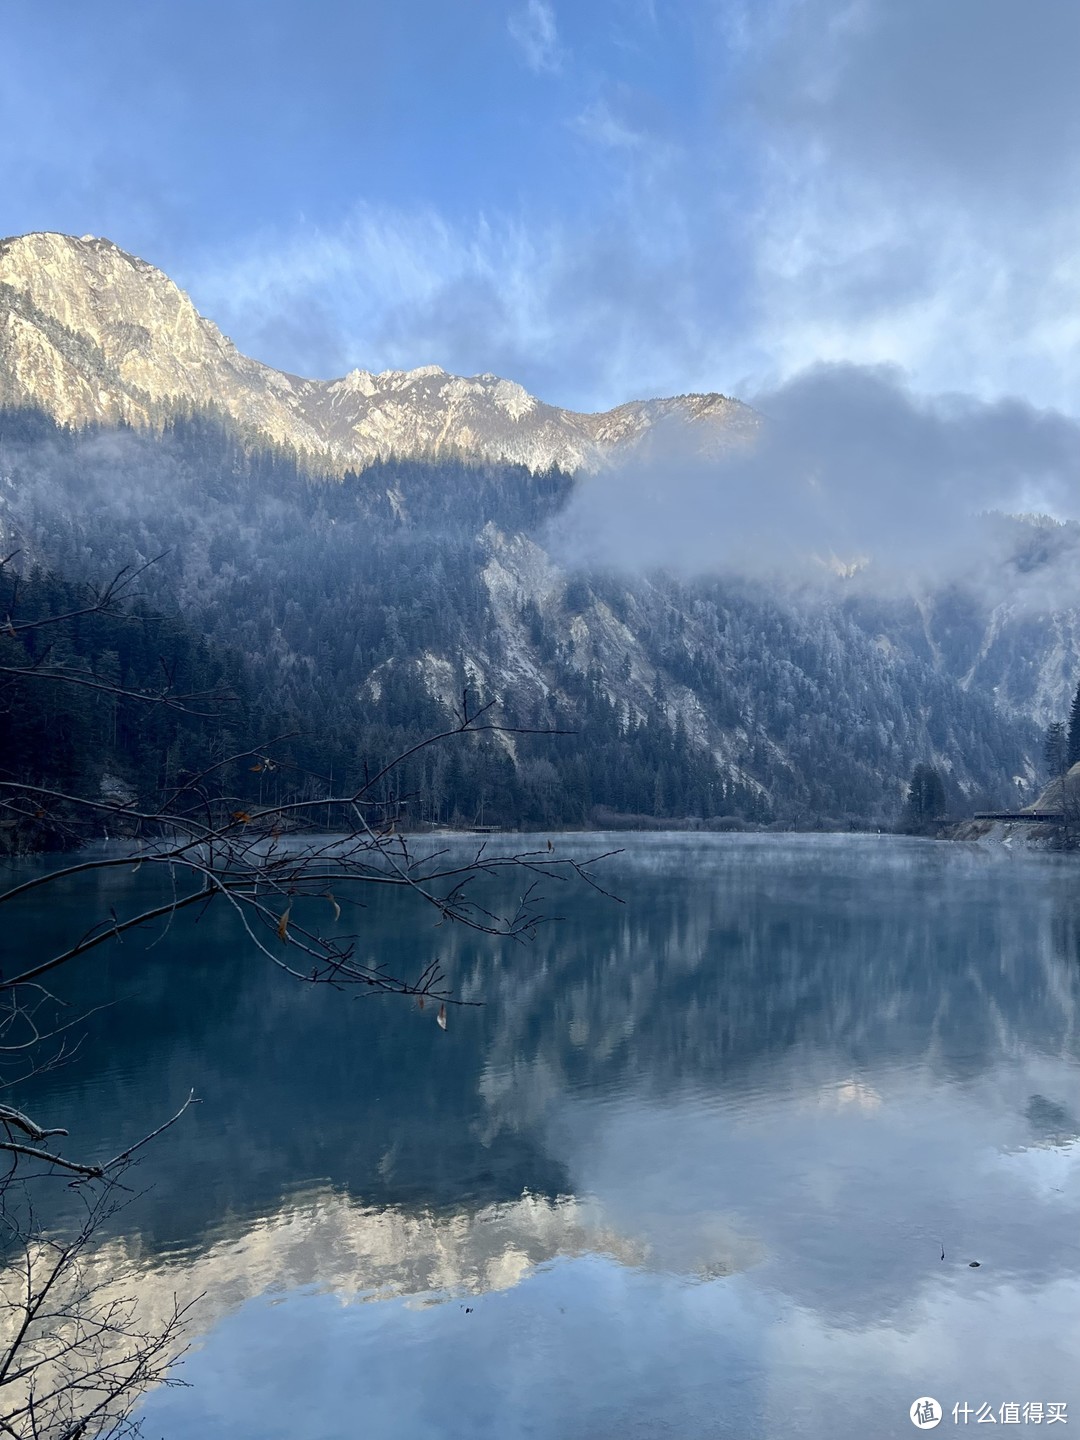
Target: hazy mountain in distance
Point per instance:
(89, 333)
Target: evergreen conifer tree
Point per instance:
(1072, 753)
(925, 799)
(1055, 748)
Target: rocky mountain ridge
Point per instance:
(429, 563)
(89, 334)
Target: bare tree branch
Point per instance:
(74, 1357)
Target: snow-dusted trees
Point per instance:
(925, 800)
(1055, 749)
(1072, 752)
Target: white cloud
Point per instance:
(918, 169)
(847, 271)
(851, 469)
(536, 33)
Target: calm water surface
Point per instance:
(688, 1171)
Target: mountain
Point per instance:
(370, 548)
(364, 607)
(91, 334)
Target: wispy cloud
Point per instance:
(386, 289)
(536, 33)
(598, 123)
(585, 318)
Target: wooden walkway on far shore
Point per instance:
(1047, 817)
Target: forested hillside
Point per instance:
(112, 702)
(355, 612)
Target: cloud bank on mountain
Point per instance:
(851, 474)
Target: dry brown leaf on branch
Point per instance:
(283, 925)
(333, 902)
(441, 1017)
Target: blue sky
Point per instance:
(602, 200)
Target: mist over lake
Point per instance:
(688, 1167)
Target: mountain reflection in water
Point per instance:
(691, 1165)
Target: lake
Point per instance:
(712, 1161)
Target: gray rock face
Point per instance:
(90, 333)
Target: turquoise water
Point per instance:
(688, 1170)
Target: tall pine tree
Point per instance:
(925, 800)
(1055, 748)
(1072, 754)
